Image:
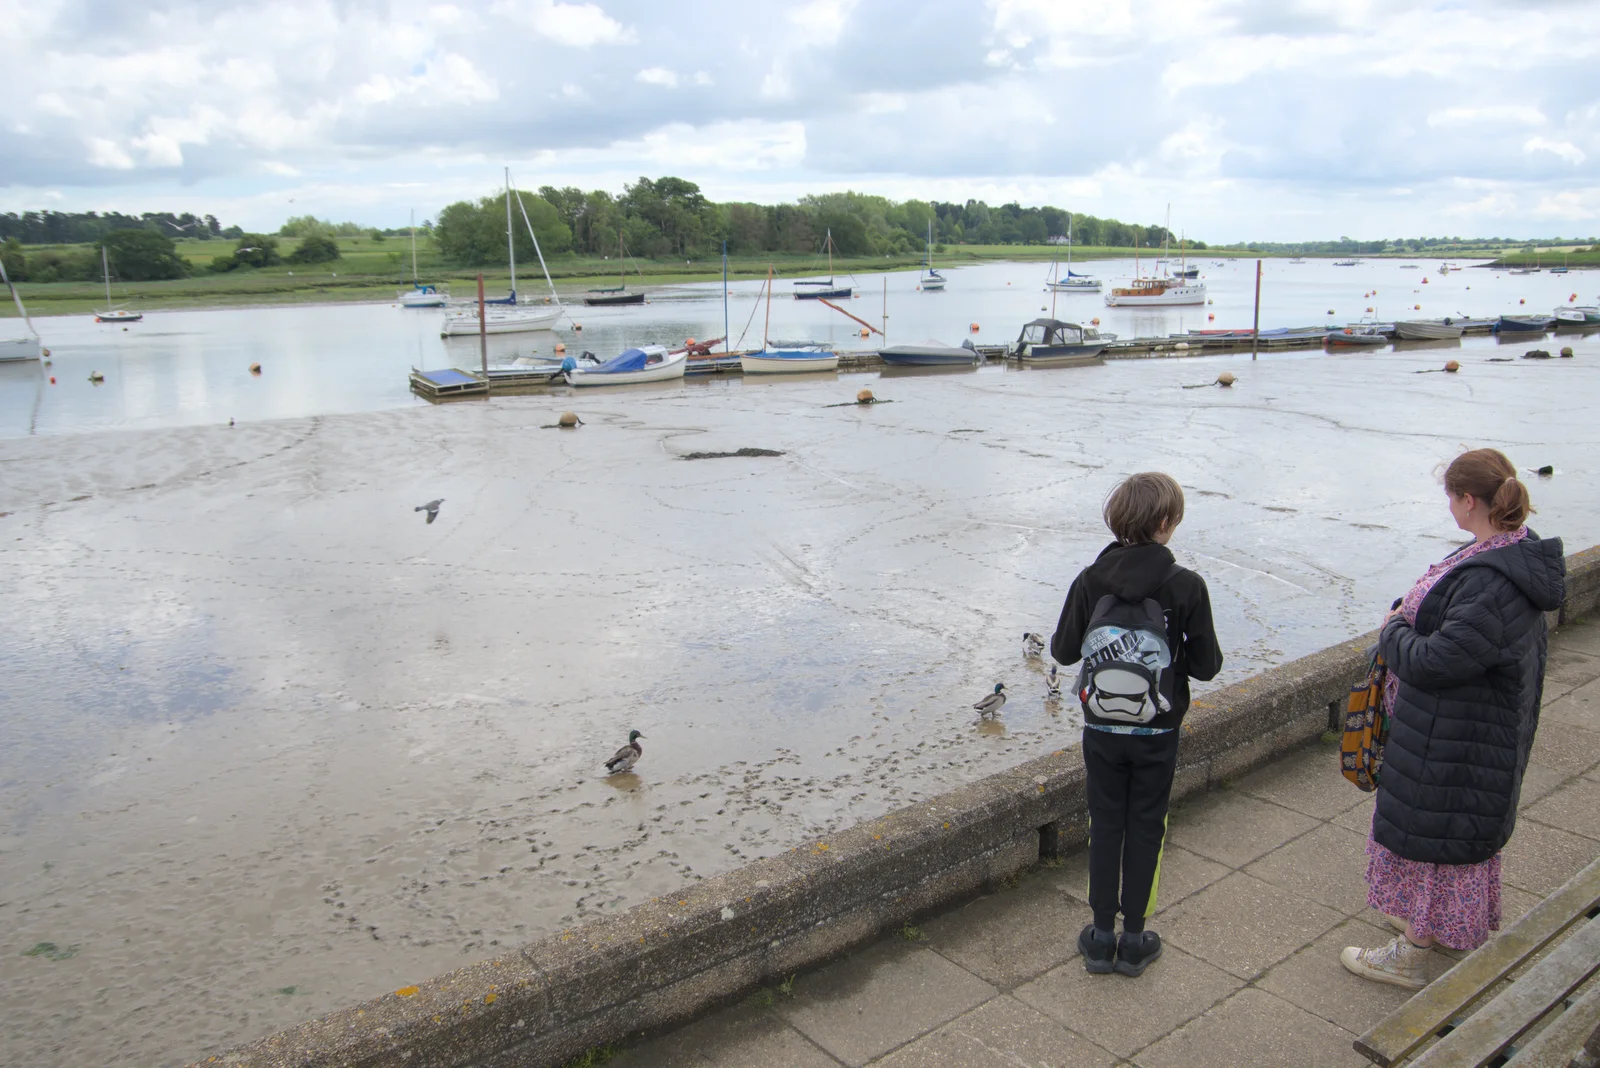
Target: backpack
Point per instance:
(1125, 650)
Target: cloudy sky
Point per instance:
(1275, 120)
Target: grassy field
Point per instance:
(371, 270)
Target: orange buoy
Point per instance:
(688, 341)
(1572, 298)
(1226, 379)
(1369, 307)
(1416, 307)
(1211, 317)
(1452, 367)
(1095, 321)
(865, 397)
(974, 326)
(865, 332)
(255, 368)
(561, 346)
(1424, 279)
(1522, 301)
(52, 380)
(577, 326)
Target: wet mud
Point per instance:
(270, 743)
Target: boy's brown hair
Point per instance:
(1141, 505)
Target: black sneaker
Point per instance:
(1136, 951)
(1099, 949)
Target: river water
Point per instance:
(271, 744)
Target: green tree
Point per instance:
(16, 261)
(253, 250)
(144, 256)
(315, 248)
(474, 235)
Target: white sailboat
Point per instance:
(23, 346)
(420, 296)
(516, 318)
(931, 279)
(1073, 283)
(113, 315)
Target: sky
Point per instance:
(1278, 121)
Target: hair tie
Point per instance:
(1509, 478)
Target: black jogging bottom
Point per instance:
(1129, 782)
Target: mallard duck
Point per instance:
(1032, 644)
(1052, 683)
(626, 757)
(994, 702)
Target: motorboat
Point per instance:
(788, 361)
(1056, 342)
(1141, 292)
(1428, 329)
(1568, 318)
(651, 363)
(1524, 324)
(929, 353)
(423, 296)
(1591, 315)
(1352, 337)
(462, 322)
(1345, 263)
(23, 346)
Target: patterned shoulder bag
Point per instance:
(1366, 729)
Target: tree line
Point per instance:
(670, 217)
(88, 227)
(138, 255)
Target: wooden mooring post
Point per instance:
(483, 331)
(1255, 329)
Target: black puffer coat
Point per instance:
(1471, 678)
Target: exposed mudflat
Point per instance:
(270, 744)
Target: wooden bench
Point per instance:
(1490, 1035)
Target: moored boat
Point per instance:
(1523, 324)
(788, 361)
(651, 363)
(931, 279)
(1355, 337)
(1568, 318)
(607, 299)
(929, 353)
(1591, 314)
(113, 315)
(1053, 341)
(816, 289)
(1073, 282)
(1156, 291)
(464, 321)
(24, 346)
(1427, 329)
(422, 295)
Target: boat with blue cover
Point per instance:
(771, 360)
(650, 363)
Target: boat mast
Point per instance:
(414, 247)
(105, 270)
(726, 347)
(829, 243)
(16, 298)
(766, 328)
(538, 251)
(511, 246)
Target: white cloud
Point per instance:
(108, 154)
(1565, 149)
(750, 145)
(159, 150)
(573, 25)
(1492, 114)
(657, 76)
(702, 78)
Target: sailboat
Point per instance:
(785, 359)
(521, 318)
(1073, 283)
(1158, 290)
(931, 279)
(420, 296)
(24, 346)
(820, 289)
(113, 315)
(616, 294)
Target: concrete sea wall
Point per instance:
(665, 961)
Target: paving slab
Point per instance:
(1002, 1033)
(1580, 708)
(1124, 1015)
(1182, 873)
(1307, 781)
(1254, 1029)
(1327, 865)
(1582, 636)
(1358, 819)
(1540, 858)
(1009, 938)
(734, 1038)
(1567, 665)
(1244, 925)
(880, 998)
(1565, 748)
(1233, 829)
(1574, 807)
(1314, 979)
(1538, 782)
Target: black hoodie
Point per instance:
(1135, 572)
(1471, 678)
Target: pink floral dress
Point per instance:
(1457, 905)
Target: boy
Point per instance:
(1130, 738)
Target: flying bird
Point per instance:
(993, 702)
(1032, 644)
(432, 508)
(1052, 683)
(625, 758)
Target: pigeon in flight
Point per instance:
(432, 508)
(1032, 644)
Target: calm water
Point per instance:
(191, 367)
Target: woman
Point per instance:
(1466, 656)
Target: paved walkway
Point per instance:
(1261, 887)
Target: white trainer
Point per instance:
(1397, 962)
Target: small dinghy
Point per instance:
(929, 354)
(1428, 330)
(652, 363)
(788, 361)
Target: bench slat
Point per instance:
(1556, 1045)
(1408, 1027)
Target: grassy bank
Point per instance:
(370, 270)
